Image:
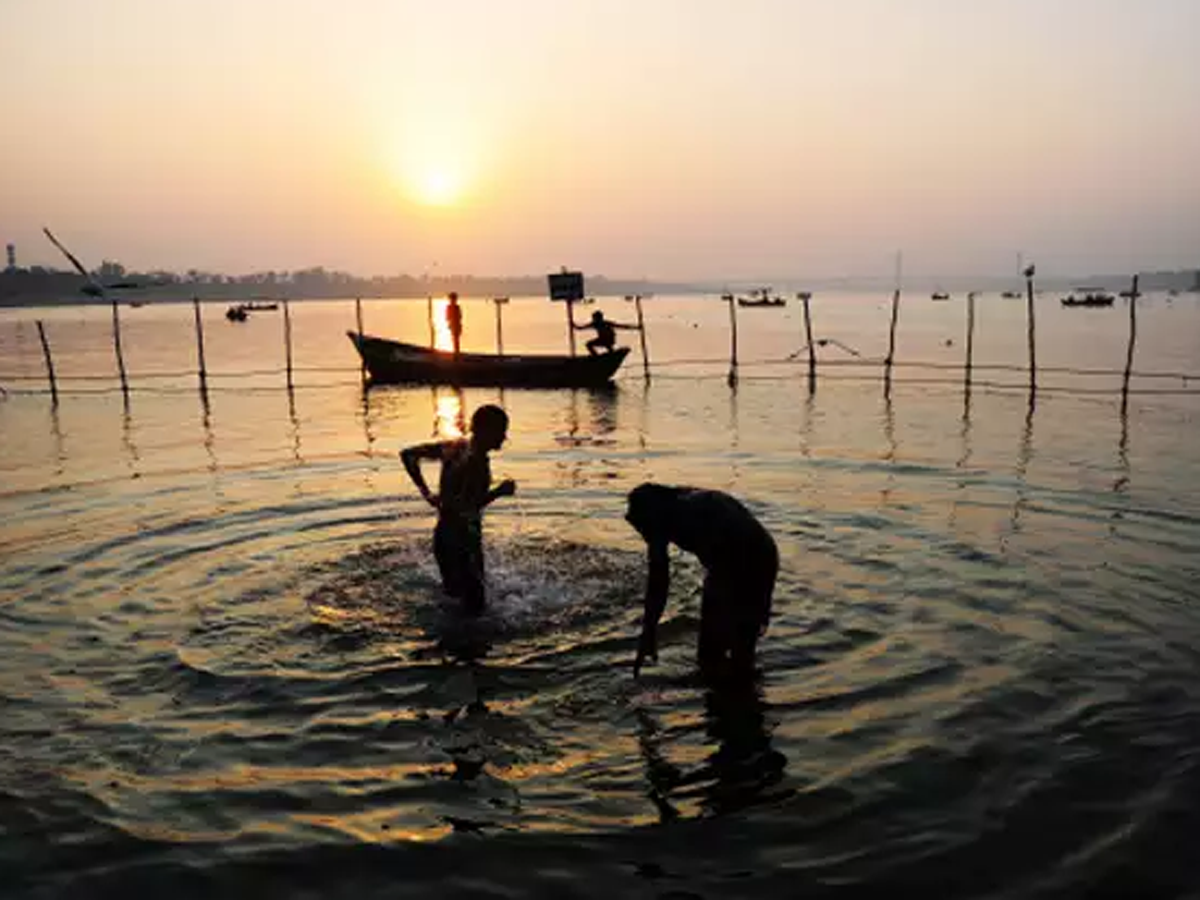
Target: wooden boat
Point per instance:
(1010, 295)
(759, 298)
(235, 314)
(939, 295)
(269, 306)
(393, 362)
(1091, 297)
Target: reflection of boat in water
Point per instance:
(393, 362)
(761, 297)
(1091, 297)
(236, 314)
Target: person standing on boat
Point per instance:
(464, 490)
(606, 334)
(740, 564)
(454, 321)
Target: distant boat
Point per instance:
(1090, 297)
(761, 297)
(939, 295)
(270, 306)
(393, 362)
(236, 314)
(1011, 295)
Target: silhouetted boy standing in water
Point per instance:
(740, 561)
(464, 489)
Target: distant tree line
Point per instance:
(41, 285)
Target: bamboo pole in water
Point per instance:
(49, 362)
(637, 302)
(116, 327)
(733, 340)
(200, 344)
(287, 340)
(1133, 299)
(358, 320)
(571, 324)
(970, 334)
(499, 302)
(812, 350)
(1032, 328)
(891, 354)
(429, 318)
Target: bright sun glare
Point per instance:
(439, 186)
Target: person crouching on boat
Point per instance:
(606, 334)
(464, 489)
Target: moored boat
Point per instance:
(761, 297)
(394, 362)
(1089, 297)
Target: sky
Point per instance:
(669, 139)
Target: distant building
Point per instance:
(12, 258)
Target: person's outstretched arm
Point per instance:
(658, 580)
(412, 457)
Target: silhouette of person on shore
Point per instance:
(740, 562)
(464, 490)
(606, 333)
(454, 321)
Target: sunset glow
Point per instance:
(497, 139)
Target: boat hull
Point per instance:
(394, 362)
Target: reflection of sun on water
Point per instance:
(442, 339)
(450, 422)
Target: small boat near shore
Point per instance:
(939, 295)
(394, 362)
(1089, 297)
(761, 298)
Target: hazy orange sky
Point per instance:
(688, 139)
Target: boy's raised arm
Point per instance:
(411, 457)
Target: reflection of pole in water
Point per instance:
(889, 434)
(295, 422)
(734, 437)
(206, 422)
(127, 439)
(60, 455)
(1024, 456)
(1122, 481)
(964, 457)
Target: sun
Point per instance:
(438, 185)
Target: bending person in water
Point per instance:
(464, 489)
(740, 561)
(606, 334)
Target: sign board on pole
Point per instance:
(566, 286)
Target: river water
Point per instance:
(225, 665)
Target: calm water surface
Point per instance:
(225, 665)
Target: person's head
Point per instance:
(454, 296)
(651, 509)
(489, 426)
(597, 316)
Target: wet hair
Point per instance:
(489, 418)
(650, 507)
